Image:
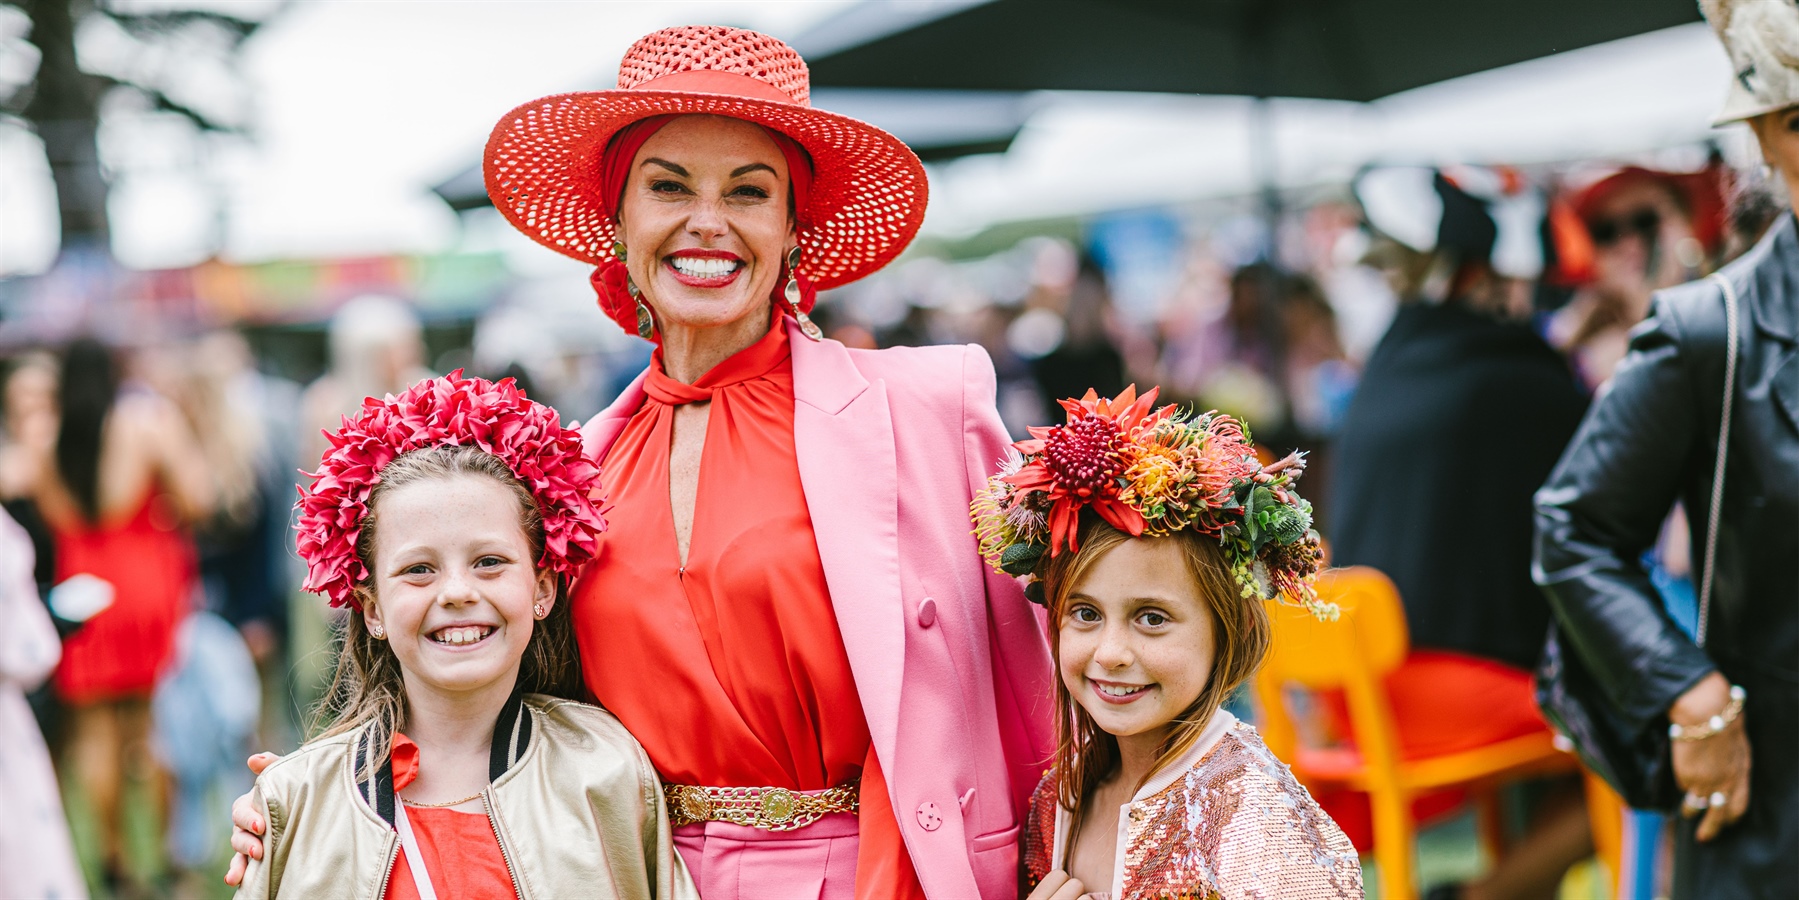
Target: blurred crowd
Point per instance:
(163, 470)
(1278, 327)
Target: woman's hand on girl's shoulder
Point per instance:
(1058, 886)
(247, 827)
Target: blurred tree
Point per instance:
(94, 57)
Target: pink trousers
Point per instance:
(732, 862)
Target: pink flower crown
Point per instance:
(1152, 471)
(448, 411)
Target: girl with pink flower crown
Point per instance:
(449, 520)
(1154, 538)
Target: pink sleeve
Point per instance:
(29, 649)
(1022, 671)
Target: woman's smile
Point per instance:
(704, 268)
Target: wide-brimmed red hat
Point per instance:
(543, 159)
(1702, 192)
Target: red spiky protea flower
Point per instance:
(1083, 455)
(1078, 464)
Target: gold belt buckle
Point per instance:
(693, 803)
(777, 806)
(770, 808)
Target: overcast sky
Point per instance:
(358, 106)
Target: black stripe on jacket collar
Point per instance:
(376, 788)
(511, 735)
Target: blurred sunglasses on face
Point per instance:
(1644, 223)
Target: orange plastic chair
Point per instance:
(1354, 655)
(1606, 812)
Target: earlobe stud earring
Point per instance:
(379, 633)
(539, 610)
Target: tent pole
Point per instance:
(1266, 168)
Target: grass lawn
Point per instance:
(1451, 851)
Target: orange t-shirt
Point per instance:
(461, 852)
(730, 670)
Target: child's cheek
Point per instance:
(1074, 654)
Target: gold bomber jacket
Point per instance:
(572, 798)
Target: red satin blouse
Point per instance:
(730, 671)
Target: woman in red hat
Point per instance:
(1651, 230)
(792, 616)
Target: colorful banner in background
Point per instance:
(87, 292)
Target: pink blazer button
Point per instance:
(927, 613)
(928, 817)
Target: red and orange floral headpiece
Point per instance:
(1150, 471)
(448, 411)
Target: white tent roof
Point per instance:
(1093, 152)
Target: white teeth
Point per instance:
(694, 267)
(456, 637)
(1118, 690)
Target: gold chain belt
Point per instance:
(767, 808)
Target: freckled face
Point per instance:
(705, 221)
(455, 584)
(1135, 642)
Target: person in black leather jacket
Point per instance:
(1650, 439)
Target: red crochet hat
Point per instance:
(543, 159)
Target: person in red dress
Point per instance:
(125, 479)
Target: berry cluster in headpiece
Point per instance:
(1149, 471)
(448, 411)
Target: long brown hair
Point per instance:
(88, 388)
(367, 685)
(1086, 754)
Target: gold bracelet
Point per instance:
(1714, 724)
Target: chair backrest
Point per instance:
(1352, 654)
(1371, 635)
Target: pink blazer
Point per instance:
(949, 658)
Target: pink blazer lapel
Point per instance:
(843, 436)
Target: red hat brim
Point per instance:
(1703, 192)
(542, 167)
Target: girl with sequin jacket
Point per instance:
(1154, 538)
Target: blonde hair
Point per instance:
(367, 685)
(1085, 754)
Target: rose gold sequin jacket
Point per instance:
(1226, 821)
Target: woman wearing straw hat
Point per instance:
(839, 696)
(1704, 408)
